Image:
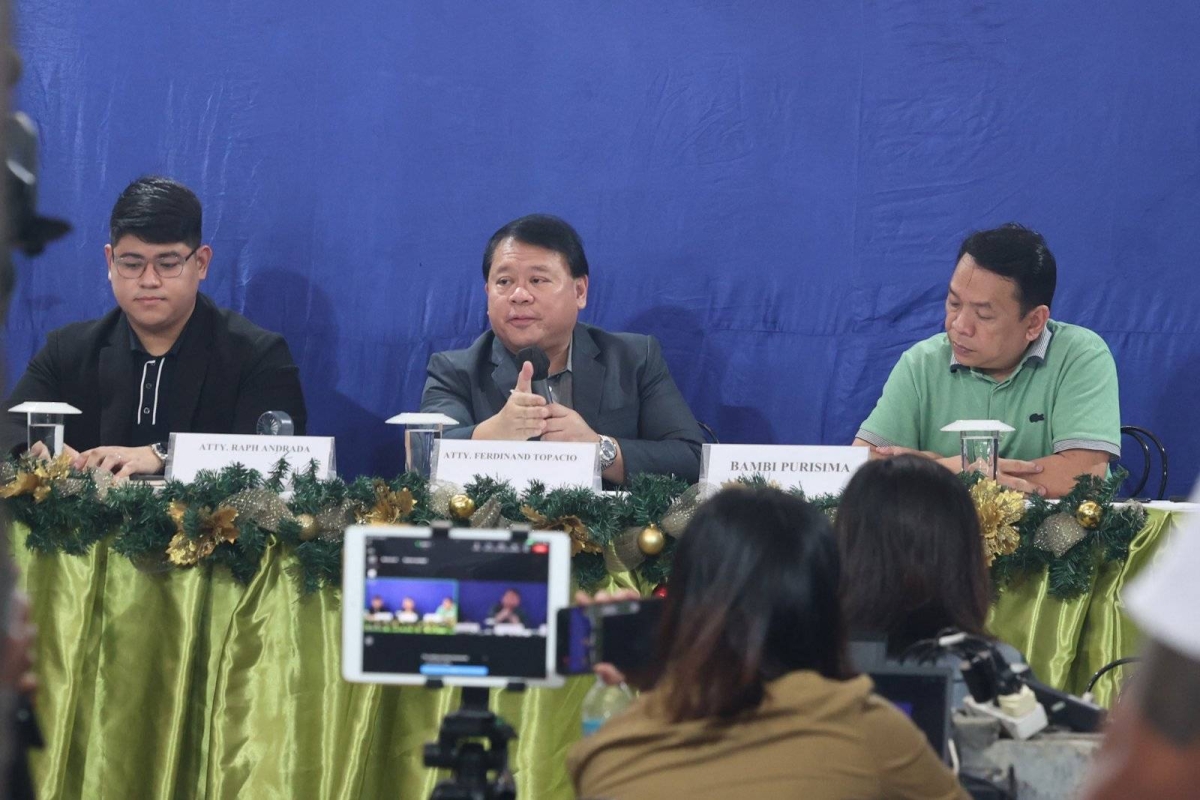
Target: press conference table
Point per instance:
(186, 684)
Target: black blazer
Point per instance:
(229, 372)
(620, 384)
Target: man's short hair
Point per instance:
(1020, 254)
(541, 230)
(157, 210)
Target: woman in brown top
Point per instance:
(752, 696)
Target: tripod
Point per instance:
(470, 761)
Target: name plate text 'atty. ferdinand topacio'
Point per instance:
(555, 464)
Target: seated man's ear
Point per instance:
(581, 287)
(1035, 322)
(203, 256)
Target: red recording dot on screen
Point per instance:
(541, 548)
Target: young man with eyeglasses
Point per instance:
(166, 359)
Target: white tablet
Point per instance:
(466, 608)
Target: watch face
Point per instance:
(274, 423)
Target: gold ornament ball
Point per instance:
(1088, 513)
(461, 507)
(651, 540)
(308, 527)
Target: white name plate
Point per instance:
(556, 464)
(191, 452)
(816, 469)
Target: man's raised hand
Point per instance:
(523, 416)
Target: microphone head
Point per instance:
(538, 358)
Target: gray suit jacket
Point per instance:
(620, 384)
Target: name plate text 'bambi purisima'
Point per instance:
(191, 452)
(817, 469)
(555, 464)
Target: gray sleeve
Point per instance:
(448, 391)
(669, 439)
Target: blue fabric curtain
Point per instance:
(775, 189)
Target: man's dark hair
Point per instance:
(541, 230)
(158, 211)
(754, 596)
(912, 553)
(1020, 254)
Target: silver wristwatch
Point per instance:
(608, 452)
(160, 449)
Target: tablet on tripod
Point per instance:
(452, 607)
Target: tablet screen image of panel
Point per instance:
(455, 608)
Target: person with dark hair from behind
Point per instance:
(751, 694)
(912, 553)
(1002, 357)
(610, 388)
(912, 556)
(167, 359)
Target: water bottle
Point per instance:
(602, 703)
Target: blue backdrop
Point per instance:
(426, 593)
(775, 189)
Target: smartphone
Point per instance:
(624, 634)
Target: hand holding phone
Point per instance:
(614, 635)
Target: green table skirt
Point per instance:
(1067, 641)
(186, 684)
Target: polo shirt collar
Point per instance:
(1035, 353)
(570, 358)
(500, 352)
(135, 344)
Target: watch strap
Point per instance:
(160, 449)
(608, 452)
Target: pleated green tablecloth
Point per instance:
(186, 684)
(1067, 641)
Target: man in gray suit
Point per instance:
(610, 388)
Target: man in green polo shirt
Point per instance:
(1003, 358)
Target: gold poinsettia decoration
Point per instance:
(999, 510)
(581, 537)
(215, 527)
(390, 506)
(37, 478)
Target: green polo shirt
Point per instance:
(1062, 396)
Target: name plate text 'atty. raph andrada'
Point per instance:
(191, 452)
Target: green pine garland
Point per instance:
(76, 514)
(1071, 574)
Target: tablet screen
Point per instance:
(453, 608)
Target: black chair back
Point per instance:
(1149, 443)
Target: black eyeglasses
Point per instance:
(169, 265)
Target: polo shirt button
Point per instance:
(149, 385)
(146, 410)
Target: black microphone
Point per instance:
(541, 370)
